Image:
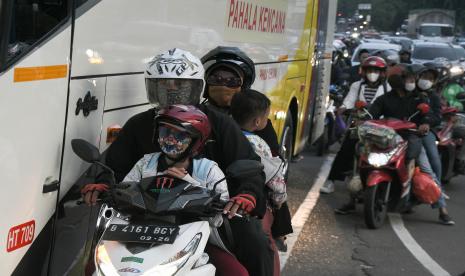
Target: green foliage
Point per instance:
(387, 15)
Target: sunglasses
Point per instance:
(219, 80)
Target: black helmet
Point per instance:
(231, 56)
(439, 68)
(412, 70)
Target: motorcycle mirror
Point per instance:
(244, 168)
(460, 96)
(360, 104)
(85, 150)
(423, 108)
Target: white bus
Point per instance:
(74, 69)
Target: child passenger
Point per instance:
(181, 131)
(250, 109)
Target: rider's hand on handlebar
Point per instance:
(244, 202)
(423, 129)
(91, 192)
(176, 172)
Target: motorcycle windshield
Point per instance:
(162, 196)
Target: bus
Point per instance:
(74, 69)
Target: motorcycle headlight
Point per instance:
(379, 159)
(176, 262)
(103, 262)
(456, 71)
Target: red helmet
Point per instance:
(374, 62)
(189, 118)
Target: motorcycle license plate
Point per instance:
(141, 233)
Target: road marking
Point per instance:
(417, 251)
(305, 209)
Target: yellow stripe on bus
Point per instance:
(40, 73)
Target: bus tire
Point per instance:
(286, 147)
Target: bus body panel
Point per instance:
(32, 115)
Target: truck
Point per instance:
(431, 24)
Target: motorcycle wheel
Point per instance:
(375, 209)
(287, 142)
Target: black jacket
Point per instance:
(391, 105)
(228, 145)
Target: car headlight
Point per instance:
(456, 71)
(176, 262)
(104, 264)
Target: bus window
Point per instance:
(31, 21)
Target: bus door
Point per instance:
(35, 41)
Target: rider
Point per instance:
(372, 85)
(427, 78)
(177, 77)
(405, 56)
(355, 72)
(228, 70)
(400, 104)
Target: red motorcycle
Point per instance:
(447, 144)
(383, 172)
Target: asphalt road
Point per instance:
(331, 244)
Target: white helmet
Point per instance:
(174, 77)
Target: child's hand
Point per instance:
(176, 172)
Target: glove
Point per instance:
(245, 201)
(94, 187)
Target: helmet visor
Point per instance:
(164, 92)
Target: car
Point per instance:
(429, 51)
(403, 41)
(374, 40)
(372, 47)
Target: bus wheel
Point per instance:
(286, 147)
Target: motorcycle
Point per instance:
(386, 179)
(140, 233)
(334, 125)
(450, 144)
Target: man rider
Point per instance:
(401, 104)
(355, 70)
(228, 71)
(177, 77)
(372, 85)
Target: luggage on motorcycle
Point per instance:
(424, 187)
(381, 136)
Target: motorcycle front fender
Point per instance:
(376, 177)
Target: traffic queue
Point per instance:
(403, 130)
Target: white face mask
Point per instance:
(372, 77)
(425, 84)
(410, 86)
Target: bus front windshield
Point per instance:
(436, 31)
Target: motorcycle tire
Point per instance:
(375, 210)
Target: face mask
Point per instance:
(410, 86)
(372, 77)
(425, 84)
